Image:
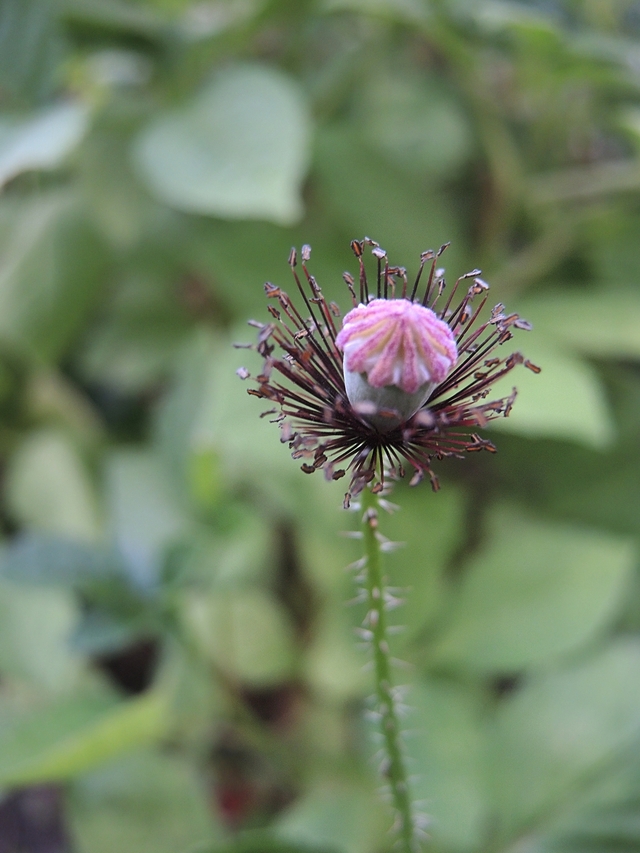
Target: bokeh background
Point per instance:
(178, 669)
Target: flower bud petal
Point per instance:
(395, 353)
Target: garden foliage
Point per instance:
(176, 656)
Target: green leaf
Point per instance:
(147, 802)
(40, 141)
(561, 731)
(430, 528)
(209, 408)
(116, 15)
(119, 203)
(245, 632)
(601, 323)
(52, 560)
(406, 11)
(51, 271)
(334, 668)
(535, 591)
(435, 138)
(133, 348)
(49, 488)
(367, 195)
(76, 734)
(259, 842)
(35, 631)
(445, 752)
(217, 249)
(508, 15)
(145, 515)
(603, 816)
(239, 556)
(565, 401)
(184, 424)
(335, 815)
(31, 47)
(239, 150)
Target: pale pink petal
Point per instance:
(397, 342)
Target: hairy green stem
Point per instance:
(376, 623)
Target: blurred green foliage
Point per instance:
(174, 646)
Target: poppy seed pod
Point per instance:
(396, 352)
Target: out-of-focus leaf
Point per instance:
(52, 560)
(259, 842)
(429, 527)
(334, 815)
(445, 752)
(99, 633)
(244, 632)
(40, 141)
(603, 816)
(572, 481)
(147, 802)
(210, 408)
(73, 735)
(31, 46)
(49, 488)
(129, 19)
(497, 15)
(368, 196)
(238, 257)
(145, 516)
(239, 150)
(612, 239)
(35, 632)
(200, 22)
(416, 123)
(50, 568)
(184, 425)
(196, 698)
(603, 324)
(134, 347)
(535, 591)
(121, 207)
(54, 399)
(204, 479)
(51, 271)
(406, 11)
(333, 666)
(238, 556)
(565, 401)
(562, 729)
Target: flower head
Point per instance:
(405, 380)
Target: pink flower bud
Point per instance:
(399, 346)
